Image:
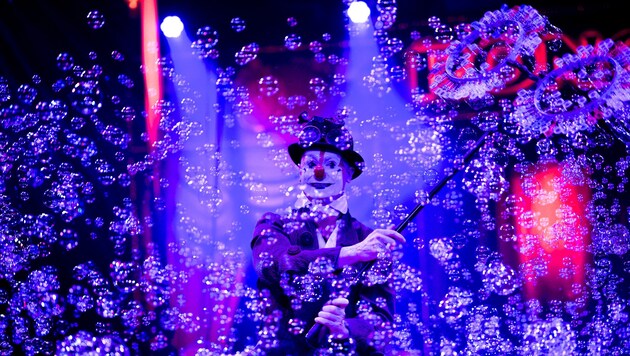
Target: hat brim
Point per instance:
(296, 151)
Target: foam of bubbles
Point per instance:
(460, 75)
(79, 277)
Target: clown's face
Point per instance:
(324, 175)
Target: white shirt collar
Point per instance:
(340, 204)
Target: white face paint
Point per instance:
(324, 175)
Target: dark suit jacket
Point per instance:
(282, 249)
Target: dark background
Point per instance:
(34, 32)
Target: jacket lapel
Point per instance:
(346, 235)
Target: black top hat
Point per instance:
(326, 134)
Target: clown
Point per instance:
(320, 227)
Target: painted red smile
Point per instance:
(320, 185)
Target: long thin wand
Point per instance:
(436, 189)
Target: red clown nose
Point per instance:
(319, 173)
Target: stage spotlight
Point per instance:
(172, 26)
(358, 12)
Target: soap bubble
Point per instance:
(315, 46)
(65, 62)
(293, 41)
(453, 306)
(95, 19)
(86, 97)
(259, 193)
(391, 47)
(238, 24)
(443, 33)
(317, 86)
(268, 86)
(247, 54)
(499, 278)
(292, 21)
(26, 94)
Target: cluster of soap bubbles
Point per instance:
(586, 86)
(492, 52)
(523, 251)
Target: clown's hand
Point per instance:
(376, 242)
(332, 316)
